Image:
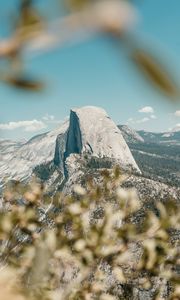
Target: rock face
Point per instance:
(19, 164)
(130, 135)
(91, 131)
(88, 132)
(7, 146)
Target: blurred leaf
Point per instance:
(77, 4)
(25, 83)
(155, 71)
(39, 265)
(29, 22)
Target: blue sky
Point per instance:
(94, 72)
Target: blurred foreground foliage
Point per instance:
(85, 246)
(114, 18)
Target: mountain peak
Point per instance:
(88, 109)
(92, 131)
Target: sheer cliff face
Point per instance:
(92, 131)
(74, 137)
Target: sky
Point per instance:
(95, 72)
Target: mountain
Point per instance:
(88, 143)
(92, 132)
(89, 132)
(176, 128)
(130, 135)
(170, 137)
(158, 156)
(18, 163)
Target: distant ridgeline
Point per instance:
(157, 154)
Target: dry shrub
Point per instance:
(86, 246)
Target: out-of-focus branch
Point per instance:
(113, 17)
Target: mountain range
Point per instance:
(157, 154)
(89, 142)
